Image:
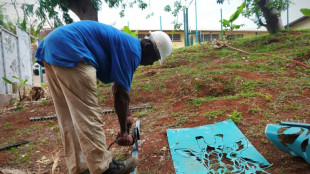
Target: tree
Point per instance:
(49, 10)
(267, 12)
(5, 22)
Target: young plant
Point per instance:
(228, 24)
(235, 116)
(305, 11)
(19, 86)
(128, 31)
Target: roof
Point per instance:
(297, 21)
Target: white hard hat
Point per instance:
(162, 42)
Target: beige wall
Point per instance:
(178, 44)
(305, 24)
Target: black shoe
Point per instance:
(122, 167)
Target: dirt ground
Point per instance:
(44, 153)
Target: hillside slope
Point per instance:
(195, 86)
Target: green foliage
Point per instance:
(21, 84)
(274, 7)
(25, 158)
(128, 31)
(54, 126)
(45, 102)
(20, 108)
(228, 24)
(235, 116)
(7, 126)
(140, 114)
(235, 16)
(268, 97)
(56, 11)
(214, 114)
(5, 22)
(179, 121)
(297, 117)
(305, 11)
(44, 85)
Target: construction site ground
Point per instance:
(195, 86)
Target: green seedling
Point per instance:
(235, 116)
(268, 97)
(19, 86)
(45, 102)
(20, 108)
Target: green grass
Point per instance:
(197, 79)
(235, 116)
(7, 125)
(140, 114)
(214, 114)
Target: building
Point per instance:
(300, 23)
(177, 37)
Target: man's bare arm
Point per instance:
(121, 104)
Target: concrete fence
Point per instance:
(15, 58)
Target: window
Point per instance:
(215, 37)
(239, 35)
(175, 37)
(206, 37)
(140, 36)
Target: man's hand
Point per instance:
(123, 139)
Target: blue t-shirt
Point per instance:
(115, 54)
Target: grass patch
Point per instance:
(214, 114)
(235, 116)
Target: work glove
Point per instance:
(124, 139)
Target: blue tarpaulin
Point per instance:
(215, 148)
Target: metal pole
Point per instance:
(196, 22)
(187, 27)
(221, 24)
(288, 24)
(161, 28)
(41, 74)
(185, 31)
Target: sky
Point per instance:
(208, 15)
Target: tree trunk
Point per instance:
(84, 9)
(273, 21)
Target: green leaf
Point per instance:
(305, 11)
(167, 8)
(234, 16)
(8, 81)
(135, 33)
(127, 30)
(15, 77)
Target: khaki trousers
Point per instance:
(79, 116)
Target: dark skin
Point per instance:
(122, 99)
